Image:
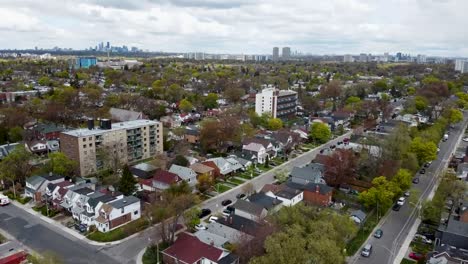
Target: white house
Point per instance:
(187, 174)
(117, 213)
(289, 196)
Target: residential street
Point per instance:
(41, 236)
(397, 224)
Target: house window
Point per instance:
(84, 139)
(84, 146)
(90, 138)
(136, 212)
(90, 144)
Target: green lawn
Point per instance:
(353, 246)
(221, 188)
(407, 261)
(119, 233)
(235, 181)
(247, 175)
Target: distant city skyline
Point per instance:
(240, 26)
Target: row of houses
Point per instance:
(104, 208)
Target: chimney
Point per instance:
(90, 123)
(317, 188)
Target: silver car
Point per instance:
(366, 250)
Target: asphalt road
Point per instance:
(38, 235)
(397, 224)
(41, 236)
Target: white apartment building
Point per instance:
(461, 65)
(279, 103)
(109, 144)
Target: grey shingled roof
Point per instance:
(311, 172)
(264, 200)
(126, 200)
(248, 207)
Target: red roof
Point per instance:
(210, 164)
(166, 177)
(64, 184)
(189, 249)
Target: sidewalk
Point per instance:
(67, 230)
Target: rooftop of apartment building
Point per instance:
(84, 132)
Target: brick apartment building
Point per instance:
(97, 147)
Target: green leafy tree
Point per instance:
(185, 105)
(60, 164)
(16, 167)
(455, 116)
(421, 103)
(403, 179)
(425, 150)
(205, 183)
(127, 183)
(44, 80)
(380, 194)
(181, 161)
(210, 101)
(275, 124)
(320, 132)
(15, 134)
(191, 217)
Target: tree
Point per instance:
(340, 167)
(380, 194)
(275, 123)
(191, 218)
(248, 189)
(425, 150)
(185, 105)
(320, 132)
(60, 164)
(267, 161)
(234, 95)
(210, 101)
(127, 183)
(455, 116)
(332, 91)
(420, 103)
(205, 182)
(181, 161)
(15, 134)
(403, 179)
(44, 81)
(16, 166)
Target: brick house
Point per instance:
(216, 170)
(192, 135)
(314, 193)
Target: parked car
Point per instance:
(226, 202)
(378, 233)
(201, 227)
(428, 164)
(366, 250)
(213, 219)
(416, 256)
(4, 200)
(80, 227)
(396, 207)
(339, 142)
(465, 139)
(423, 238)
(240, 196)
(204, 212)
(401, 201)
(407, 194)
(422, 171)
(416, 180)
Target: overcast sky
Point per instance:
(433, 27)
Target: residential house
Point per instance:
(242, 224)
(225, 167)
(261, 148)
(5, 150)
(187, 174)
(454, 231)
(289, 196)
(188, 249)
(192, 160)
(36, 185)
(311, 173)
(44, 131)
(202, 169)
(73, 194)
(446, 254)
(271, 204)
(117, 213)
(249, 210)
(192, 134)
(232, 235)
(55, 192)
(216, 170)
(53, 145)
(245, 163)
(462, 170)
(143, 170)
(318, 194)
(170, 122)
(96, 200)
(358, 216)
(161, 180)
(37, 146)
(123, 115)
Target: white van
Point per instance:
(366, 250)
(4, 200)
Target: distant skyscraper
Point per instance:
(348, 58)
(363, 57)
(461, 65)
(108, 45)
(286, 53)
(421, 59)
(399, 56)
(275, 53)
